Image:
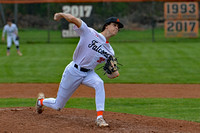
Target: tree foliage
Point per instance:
(39, 15)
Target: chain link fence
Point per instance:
(144, 21)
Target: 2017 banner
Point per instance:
(181, 28)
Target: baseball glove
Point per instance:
(17, 38)
(111, 68)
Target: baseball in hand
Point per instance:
(57, 16)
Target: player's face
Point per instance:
(113, 28)
(9, 23)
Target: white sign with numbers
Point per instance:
(78, 11)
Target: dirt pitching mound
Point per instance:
(20, 120)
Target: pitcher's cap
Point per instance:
(114, 20)
(9, 20)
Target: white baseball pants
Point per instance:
(71, 79)
(10, 39)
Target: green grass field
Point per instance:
(172, 60)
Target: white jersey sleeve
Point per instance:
(82, 30)
(4, 31)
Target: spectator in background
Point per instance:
(12, 35)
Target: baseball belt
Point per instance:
(81, 68)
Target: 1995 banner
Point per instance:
(181, 28)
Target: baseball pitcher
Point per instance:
(93, 48)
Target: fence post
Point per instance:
(2, 14)
(153, 21)
(15, 13)
(48, 17)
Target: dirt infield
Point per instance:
(17, 120)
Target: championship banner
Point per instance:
(182, 28)
(181, 10)
(79, 11)
(181, 19)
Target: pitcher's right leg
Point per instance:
(69, 83)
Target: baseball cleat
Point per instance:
(39, 108)
(19, 53)
(101, 122)
(8, 53)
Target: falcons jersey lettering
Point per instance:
(92, 48)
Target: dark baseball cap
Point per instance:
(113, 20)
(9, 20)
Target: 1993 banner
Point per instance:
(181, 10)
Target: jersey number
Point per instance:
(101, 59)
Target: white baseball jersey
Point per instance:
(92, 48)
(11, 30)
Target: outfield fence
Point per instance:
(144, 21)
